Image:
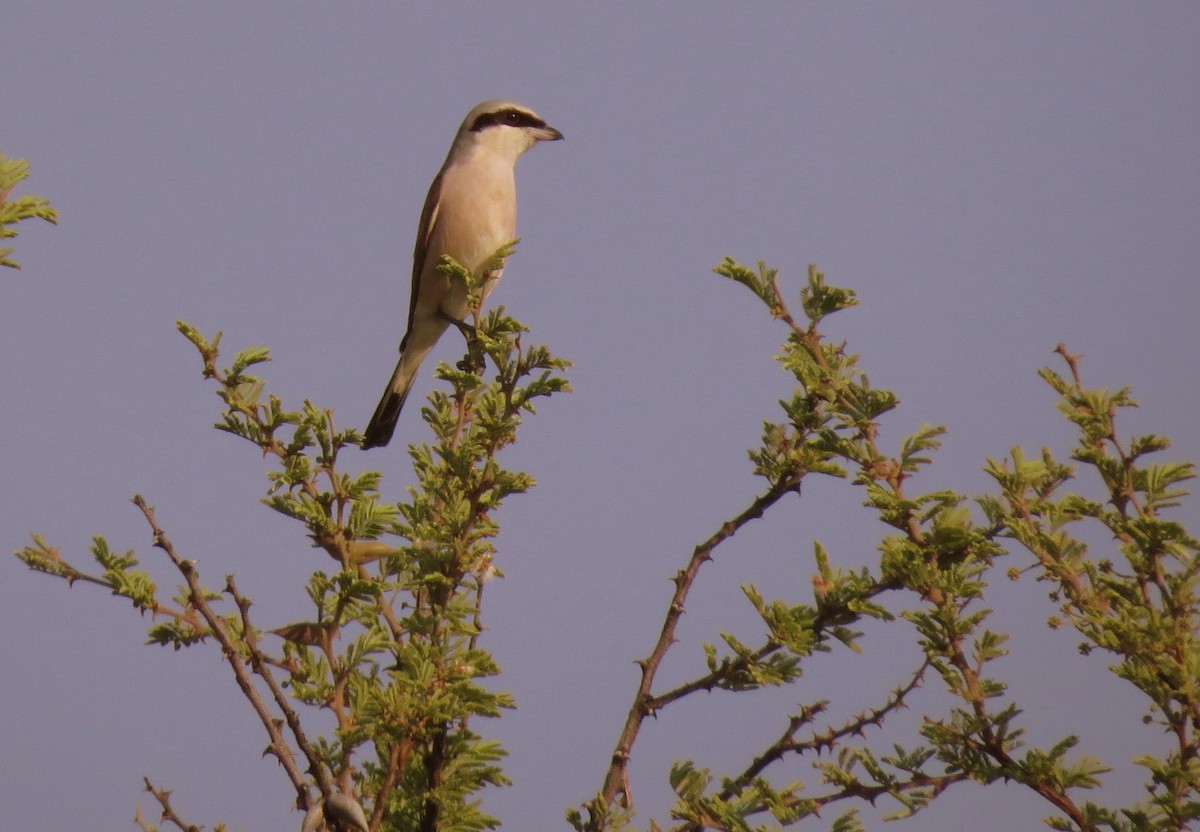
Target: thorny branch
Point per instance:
(257, 662)
(644, 704)
(825, 740)
(615, 781)
(879, 467)
(220, 629)
(843, 400)
(826, 614)
(163, 796)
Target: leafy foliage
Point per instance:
(391, 646)
(934, 569)
(391, 649)
(13, 171)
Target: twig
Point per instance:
(163, 796)
(936, 783)
(616, 781)
(825, 740)
(259, 665)
(787, 743)
(780, 747)
(1072, 360)
(874, 717)
(220, 630)
(397, 762)
(826, 614)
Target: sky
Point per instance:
(992, 179)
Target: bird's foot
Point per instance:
(473, 361)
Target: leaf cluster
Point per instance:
(13, 211)
(391, 649)
(932, 574)
(1135, 601)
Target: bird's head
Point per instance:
(504, 127)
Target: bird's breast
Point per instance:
(477, 213)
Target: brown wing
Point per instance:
(429, 216)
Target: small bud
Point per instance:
(821, 587)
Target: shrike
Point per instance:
(470, 212)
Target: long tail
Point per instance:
(383, 423)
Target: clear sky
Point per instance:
(991, 178)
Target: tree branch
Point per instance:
(616, 780)
(220, 630)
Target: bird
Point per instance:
(470, 214)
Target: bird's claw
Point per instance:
(473, 361)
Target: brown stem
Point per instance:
(826, 615)
(435, 761)
(395, 763)
(260, 667)
(616, 780)
(163, 796)
(220, 630)
(1072, 360)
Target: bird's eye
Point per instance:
(513, 118)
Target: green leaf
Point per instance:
(13, 211)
